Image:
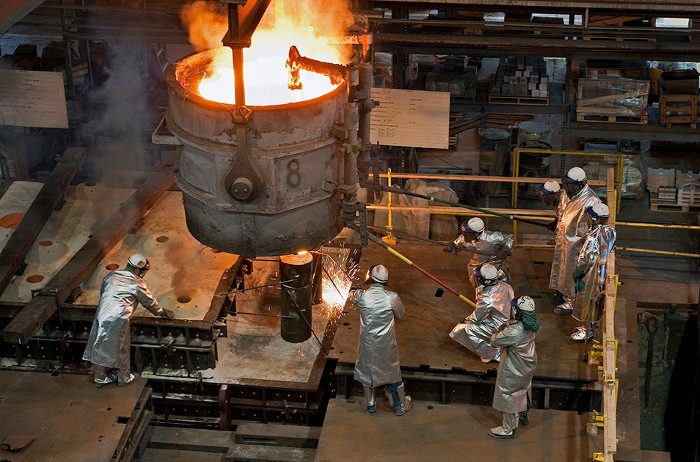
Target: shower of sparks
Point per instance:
(336, 284)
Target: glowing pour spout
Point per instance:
(296, 62)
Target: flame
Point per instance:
(266, 76)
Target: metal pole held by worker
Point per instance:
(406, 260)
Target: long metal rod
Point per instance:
(464, 206)
(484, 178)
(406, 260)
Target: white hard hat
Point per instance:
(525, 303)
(138, 261)
(551, 186)
(488, 271)
(378, 273)
(601, 210)
(476, 224)
(576, 174)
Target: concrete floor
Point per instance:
(452, 432)
(423, 336)
(70, 418)
(180, 265)
(64, 233)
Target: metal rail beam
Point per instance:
(537, 45)
(29, 321)
(32, 223)
(618, 6)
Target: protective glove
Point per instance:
(578, 280)
(502, 253)
(553, 225)
(167, 314)
(451, 248)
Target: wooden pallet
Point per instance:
(520, 100)
(608, 118)
(678, 110)
(662, 206)
(621, 38)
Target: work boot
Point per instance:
(370, 399)
(564, 308)
(501, 434)
(582, 334)
(523, 419)
(133, 376)
(396, 393)
(111, 377)
(405, 407)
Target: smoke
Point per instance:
(206, 23)
(179, 253)
(115, 133)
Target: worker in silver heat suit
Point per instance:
(590, 272)
(108, 345)
(378, 353)
(570, 227)
(486, 246)
(517, 367)
(492, 311)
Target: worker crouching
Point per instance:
(109, 344)
(378, 353)
(492, 311)
(517, 367)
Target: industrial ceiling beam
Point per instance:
(491, 45)
(665, 7)
(50, 195)
(12, 11)
(32, 317)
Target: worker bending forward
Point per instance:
(589, 275)
(108, 346)
(571, 225)
(517, 367)
(492, 311)
(554, 197)
(486, 246)
(377, 353)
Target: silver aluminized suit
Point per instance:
(110, 337)
(485, 249)
(516, 368)
(598, 243)
(377, 352)
(573, 225)
(492, 311)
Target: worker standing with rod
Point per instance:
(570, 225)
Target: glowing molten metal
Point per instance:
(266, 76)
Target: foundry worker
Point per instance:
(589, 274)
(486, 246)
(377, 352)
(553, 197)
(108, 346)
(492, 311)
(516, 340)
(571, 225)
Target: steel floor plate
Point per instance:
(70, 418)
